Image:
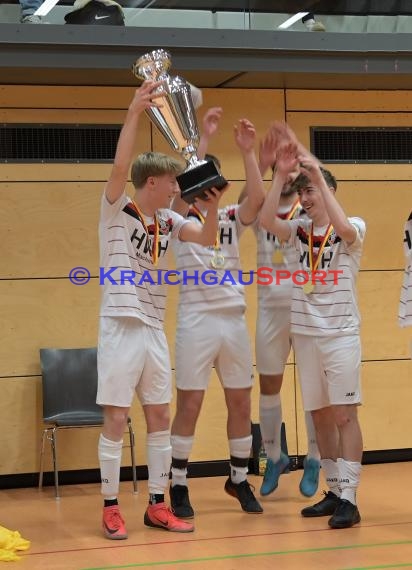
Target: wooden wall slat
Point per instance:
(358, 101)
(63, 97)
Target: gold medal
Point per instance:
(308, 288)
(278, 258)
(218, 260)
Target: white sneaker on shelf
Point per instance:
(315, 26)
(31, 19)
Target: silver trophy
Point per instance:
(176, 120)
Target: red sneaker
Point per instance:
(160, 516)
(113, 523)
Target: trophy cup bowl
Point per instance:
(176, 120)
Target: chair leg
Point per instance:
(132, 453)
(43, 440)
(54, 453)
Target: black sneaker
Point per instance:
(243, 493)
(326, 507)
(180, 502)
(345, 516)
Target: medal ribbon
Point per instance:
(155, 249)
(200, 216)
(293, 210)
(314, 263)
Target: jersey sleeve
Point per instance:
(108, 210)
(360, 228)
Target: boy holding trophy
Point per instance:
(132, 352)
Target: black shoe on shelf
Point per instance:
(180, 502)
(244, 494)
(345, 516)
(325, 507)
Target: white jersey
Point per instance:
(275, 295)
(129, 278)
(332, 308)
(405, 305)
(195, 259)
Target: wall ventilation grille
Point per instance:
(359, 144)
(58, 143)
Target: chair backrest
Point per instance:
(69, 378)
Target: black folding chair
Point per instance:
(69, 378)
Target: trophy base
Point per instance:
(195, 181)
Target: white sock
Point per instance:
(110, 457)
(270, 417)
(181, 449)
(313, 450)
(349, 474)
(331, 472)
(159, 456)
(239, 458)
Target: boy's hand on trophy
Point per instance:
(211, 120)
(213, 197)
(145, 97)
(245, 135)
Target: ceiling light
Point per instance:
(290, 21)
(45, 7)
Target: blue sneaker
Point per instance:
(310, 479)
(272, 473)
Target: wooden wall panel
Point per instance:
(382, 339)
(63, 97)
(358, 101)
(49, 228)
(39, 313)
(383, 206)
(21, 413)
(54, 172)
(385, 415)
(63, 116)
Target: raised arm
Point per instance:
(267, 157)
(286, 163)
(344, 229)
(245, 137)
(144, 98)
